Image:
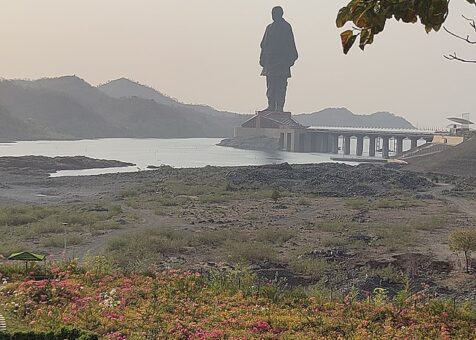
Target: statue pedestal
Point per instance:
(273, 114)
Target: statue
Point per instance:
(278, 54)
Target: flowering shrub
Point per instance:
(176, 305)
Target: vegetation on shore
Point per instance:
(231, 304)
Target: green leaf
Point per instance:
(347, 39)
(370, 17)
(342, 17)
(364, 38)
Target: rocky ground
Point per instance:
(45, 165)
(330, 226)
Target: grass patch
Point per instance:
(430, 223)
(388, 273)
(400, 202)
(303, 201)
(315, 268)
(332, 225)
(46, 224)
(218, 237)
(58, 241)
(358, 203)
(251, 251)
(275, 235)
(394, 235)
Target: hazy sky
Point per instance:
(206, 51)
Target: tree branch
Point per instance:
(455, 57)
(460, 37)
(472, 23)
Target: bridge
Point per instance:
(295, 137)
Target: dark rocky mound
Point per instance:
(458, 161)
(329, 179)
(42, 164)
(251, 143)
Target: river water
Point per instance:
(179, 153)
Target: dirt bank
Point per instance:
(459, 161)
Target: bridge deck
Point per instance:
(371, 131)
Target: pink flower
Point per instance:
(116, 336)
(261, 327)
(217, 334)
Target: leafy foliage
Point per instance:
(370, 16)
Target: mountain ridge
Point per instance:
(345, 118)
(70, 107)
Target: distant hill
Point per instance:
(69, 107)
(125, 88)
(345, 118)
(12, 128)
(221, 120)
(60, 111)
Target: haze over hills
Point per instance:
(13, 128)
(69, 107)
(74, 108)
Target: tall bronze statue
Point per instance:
(278, 54)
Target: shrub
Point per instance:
(275, 195)
(464, 240)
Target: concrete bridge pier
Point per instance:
(334, 144)
(414, 142)
(347, 145)
(360, 145)
(325, 143)
(307, 142)
(399, 150)
(313, 142)
(372, 143)
(319, 142)
(385, 147)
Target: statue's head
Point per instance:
(277, 13)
